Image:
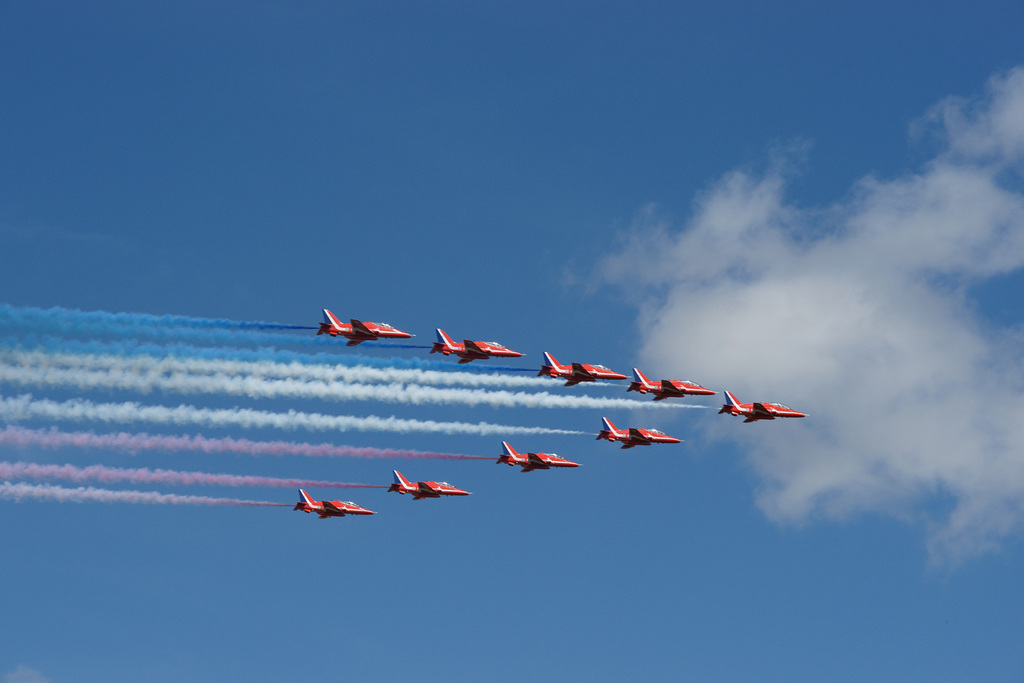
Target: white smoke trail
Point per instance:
(79, 410)
(143, 475)
(306, 371)
(82, 494)
(145, 381)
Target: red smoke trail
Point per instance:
(111, 475)
(82, 494)
(123, 441)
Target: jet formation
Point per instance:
(575, 373)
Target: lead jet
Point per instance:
(757, 411)
(468, 351)
(358, 332)
(634, 436)
(531, 461)
(577, 372)
(424, 489)
(329, 508)
(667, 388)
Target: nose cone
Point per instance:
(402, 335)
(617, 375)
(362, 511)
(460, 492)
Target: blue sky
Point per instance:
(815, 205)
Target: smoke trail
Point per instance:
(127, 378)
(62, 318)
(82, 494)
(133, 443)
(25, 408)
(70, 321)
(142, 475)
(132, 347)
(261, 363)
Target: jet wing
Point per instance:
(425, 490)
(537, 463)
(579, 371)
(333, 509)
(361, 329)
(472, 347)
(761, 413)
(635, 435)
(669, 388)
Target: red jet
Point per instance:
(424, 489)
(634, 436)
(532, 461)
(471, 350)
(329, 508)
(358, 332)
(668, 388)
(757, 411)
(577, 372)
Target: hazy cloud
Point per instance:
(857, 314)
(24, 674)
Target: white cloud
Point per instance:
(24, 674)
(857, 314)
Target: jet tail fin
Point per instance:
(641, 378)
(330, 319)
(610, 427)
(731, 405)
(553, 362)
(444, 339)
(306, 504)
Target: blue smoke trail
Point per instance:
(67, 321)
(31, 321)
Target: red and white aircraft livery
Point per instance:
(633, 436)
(424, 489)
(577, 372)
(358, 332)
(329, 508)
(757, 411)
(532, 461)
(667, 388)
(471, 350)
